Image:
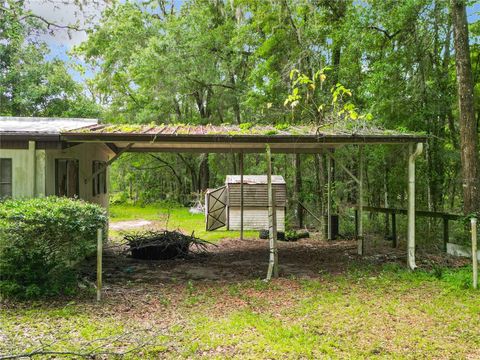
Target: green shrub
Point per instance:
(41, 242)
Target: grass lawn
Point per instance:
(173, 218)
(386, 313)
(364, 309)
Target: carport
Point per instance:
(268, 140)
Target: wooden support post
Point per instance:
(411, 204)
(99, 263)
(473, 222)
(329, 197)
(109, 162)
(272, 223)
(445, 233)
(241, 194)
(394, 230)
(360, 240)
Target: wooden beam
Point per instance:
(310, 212)
(246, 148)
(109, 162)
(344, 168)
(433, 214)
(272, 223)
(113, 147)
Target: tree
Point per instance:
(467, 120)
(30, 85)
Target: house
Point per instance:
(35, 162)
(223, 205)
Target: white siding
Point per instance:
(43, 181)
(254, 218)
(85, 153)
(22, 177)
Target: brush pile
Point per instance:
(164, 244)
(289, 235)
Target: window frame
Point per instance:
(77, 184)
(99, 181)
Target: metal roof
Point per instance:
(42, 125)
(197, 138)
(155, 130)
(254, 179)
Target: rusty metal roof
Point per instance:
(198, 138)
(233, 130)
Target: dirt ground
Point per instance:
(215, 305)
(130, 224)
(233, 260)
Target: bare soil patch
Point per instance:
(234, 260)
(129, 224)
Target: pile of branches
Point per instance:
(290, 235)
(164, 244)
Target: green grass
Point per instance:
(367, 311)
(382, 313)
(174, 217)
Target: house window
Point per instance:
(99, 183)
(66, 178)
(5, 178)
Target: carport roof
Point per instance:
(199, 138)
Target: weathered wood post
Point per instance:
(445, 233)
(356, 222)
(272, 221)
(473, 222)
(360, 240)
(99, 263)
(394, 230)
(241, 195)
(411, 204)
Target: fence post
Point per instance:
(445, 233)
(99, 263)
(394, 230)
(356, 223)
(473, 222)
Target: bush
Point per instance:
(41, 242)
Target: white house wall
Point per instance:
(85, 153)
(28, 175)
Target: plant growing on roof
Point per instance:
(306, 97)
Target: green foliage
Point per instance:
(30, 85)
(41, 241)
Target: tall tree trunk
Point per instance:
(467, 121)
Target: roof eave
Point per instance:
(241, 138)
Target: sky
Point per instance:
(66, 12)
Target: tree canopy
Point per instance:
(255, 61)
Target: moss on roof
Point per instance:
(247, 129)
